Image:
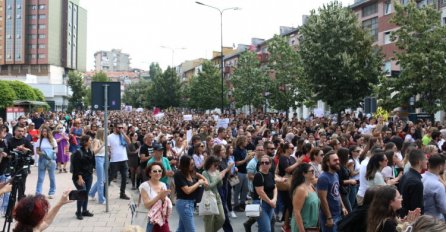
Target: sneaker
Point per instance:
(50, 196)
(102, 203)
(87, 214)
(65, 170)
(233, 215)
(79, 216)
(125, 197)
(91, 198)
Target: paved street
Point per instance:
(118, 217)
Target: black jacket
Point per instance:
(411, 188)
(83, 162)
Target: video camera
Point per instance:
(19, 161)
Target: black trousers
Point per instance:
(122, 167)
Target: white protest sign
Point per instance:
(223, 122)
(318, 112)
(187, 117)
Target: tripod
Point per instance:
(16, 182)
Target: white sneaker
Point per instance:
(50, 196)
(91, 198)
(233, 215)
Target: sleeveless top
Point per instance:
(309, 213)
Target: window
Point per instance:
(387, 37)
(42, 7)
(42, 56)
(444, 20)
(42, 46)
(370, 10)
(42, 36)
(31, 46)
(33, 26)
(33, 7)
(18, 36)
(42, 16)
(387, 68)
(19, 16)
(32, 16)
(371, 25)
(387, 7)
(19, 6)
(42, 26)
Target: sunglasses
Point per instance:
(265, 163)
(157, 171)
(120, 127)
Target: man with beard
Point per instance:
(434, 194)
(328, 192)
(24, 148)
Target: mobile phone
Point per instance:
(78, 195)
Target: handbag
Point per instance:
(283, 185)
(208, 204)
(233, 181)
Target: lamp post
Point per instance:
(221, 46)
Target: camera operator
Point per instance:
(23, 147)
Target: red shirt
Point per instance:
(34, 134)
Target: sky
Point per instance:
(142, 27)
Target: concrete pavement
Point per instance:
(116, 219)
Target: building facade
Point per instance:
(40, 42)
(112, 61)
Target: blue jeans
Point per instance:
(352, 195)
(185, 209)
(322, 222)
(4, 199)
(82, 205)
(100, 182)
(44, 165)
(149, 227)
(264, 221)
(241, 190)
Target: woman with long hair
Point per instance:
(345, 182)
(316, 155)
(33, 213)
(187, 186)
(133, 159)
(213, 223)
(76, 132)
(198, 156)
(242, 158)
(62, 148)
(376, 163)
(46, 148)
(381, 216)
(265, 193)
(154, 193)
(99, 156)
(83, 162)
(230, 159)
(220, 151)
(305, 199)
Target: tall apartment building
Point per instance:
(112, 61)
(40, 41)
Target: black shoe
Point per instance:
(87, 214)
(125, 197)
(239, 209)
(247, 227)
(79, 216)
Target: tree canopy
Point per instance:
(339, 61)
(76, 83)
(8, 95)
(204, 90)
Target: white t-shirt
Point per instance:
(387, 172)
(362, 180)
(117, 151)
(218, 141)
(357, 167)
(46, 144)
(145, 186)
(378, 180)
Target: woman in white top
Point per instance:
(46, 148)
(198, 156)
(99, 154)
(155, 192)
(376, 164)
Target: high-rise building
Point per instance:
(112, 61)
(40, 42)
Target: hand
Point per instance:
(6, 188)
(272, 204)
(169, 173)
(392, 181)
(65, 199)
(80, 182)
(163, 193)
(344, 211)
(200, 181)
(231, 165)
(329, 223)
(412, 215)
(3, 154)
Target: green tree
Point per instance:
(22, 90)
(76, 83)
(137, 94)
(154, 71)
(165, 90)
(39, 95)
(100, 77)
(287, 85)
(7, 96)
(249, 81)
(422, 54)
(205, 89)
(339, 61)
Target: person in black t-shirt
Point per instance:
(145, 153)
(187, 187)
(266, 192)
(24, 148)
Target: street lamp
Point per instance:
(173, 51)
(221, 45)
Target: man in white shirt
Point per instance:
(221, 134)
(117, 144)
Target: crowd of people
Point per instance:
(350, 173)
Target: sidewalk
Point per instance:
(115, 220)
